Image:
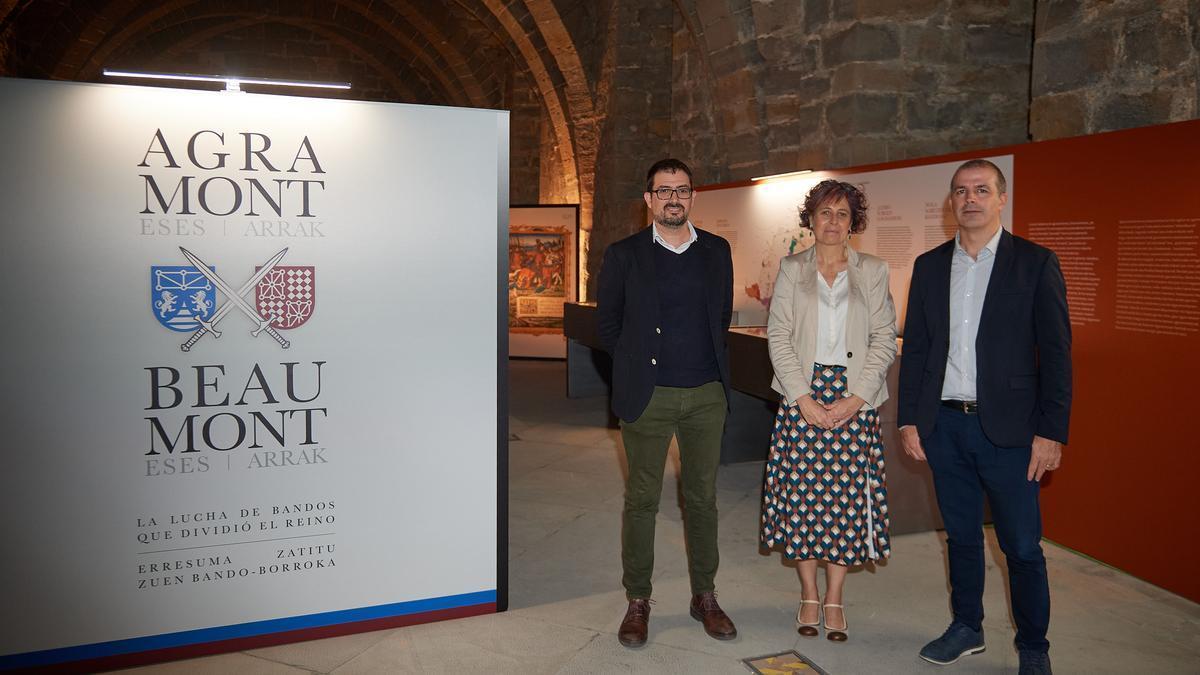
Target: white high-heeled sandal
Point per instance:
(836, 634)
(808, 629)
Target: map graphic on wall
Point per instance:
(908, 214)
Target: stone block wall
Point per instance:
(768, 86)
(831, 83)
(1115, 64)
(524, 140)
(633, 103)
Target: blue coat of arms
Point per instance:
(179, 295)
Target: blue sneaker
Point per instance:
(958, 641)
(1034, 663)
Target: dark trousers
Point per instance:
(966, 466)
(696, 416)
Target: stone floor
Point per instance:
(566, 600)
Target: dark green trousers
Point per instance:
(696, 416)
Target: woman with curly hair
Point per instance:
(831, 332)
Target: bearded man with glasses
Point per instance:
(665, 303)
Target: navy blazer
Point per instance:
(1022, 351)
(628, 314)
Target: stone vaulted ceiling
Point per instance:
(516, 55)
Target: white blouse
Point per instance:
(831, 320)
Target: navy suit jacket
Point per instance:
(628, 314)
(1022, 351)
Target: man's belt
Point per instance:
(968, 407)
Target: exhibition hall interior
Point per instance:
(427, 468)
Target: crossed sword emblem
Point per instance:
(235, 300)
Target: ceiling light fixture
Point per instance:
(232, 82)
(790, 174)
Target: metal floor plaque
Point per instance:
(783, 663)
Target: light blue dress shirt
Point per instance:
(968, 286)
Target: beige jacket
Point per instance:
(870, 326)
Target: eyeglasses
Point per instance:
(664, 193)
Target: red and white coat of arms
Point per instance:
(289, 294)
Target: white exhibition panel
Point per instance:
(381, 497)
(908, 215)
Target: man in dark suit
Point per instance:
(665, 302)
(985, 398)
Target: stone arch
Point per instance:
(728, 64)
(440, 42)
(397, 84)
(467, 91)
(544, 81)
(579, 96)
(85, 56)
(99, 28)
(233, 22)
(7, 12)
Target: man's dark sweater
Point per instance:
(687, 358)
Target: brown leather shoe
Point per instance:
(716, 623)
(635, 624)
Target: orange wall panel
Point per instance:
(1126, 492)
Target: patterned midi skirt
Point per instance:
(825, 492)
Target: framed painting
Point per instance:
(542, 276)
